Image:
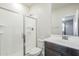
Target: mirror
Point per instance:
(70, 25)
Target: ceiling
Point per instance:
(54, 5)
(29, 4)
(58, 5)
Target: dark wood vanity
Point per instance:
(52, 49)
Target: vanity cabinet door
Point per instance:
(50, 52)
(72, 52)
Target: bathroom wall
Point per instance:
(43, 14)
(40, 11)
(60, 12)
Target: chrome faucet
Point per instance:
(65, 37)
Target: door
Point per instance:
(11, 30)
(30, 33)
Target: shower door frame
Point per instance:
(24, 37)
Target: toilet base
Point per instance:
(34, 52)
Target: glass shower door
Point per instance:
(30, 33)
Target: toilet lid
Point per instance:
(34, 51)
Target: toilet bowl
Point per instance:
(34, 52)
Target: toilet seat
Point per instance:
(34, 52)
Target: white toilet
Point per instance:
(34, 52)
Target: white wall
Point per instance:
(57, 15)
(43, 14)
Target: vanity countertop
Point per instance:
(68, 43)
